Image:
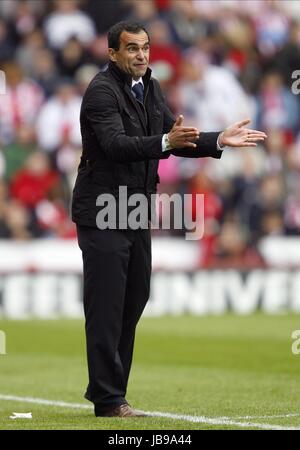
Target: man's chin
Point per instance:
(140, 72)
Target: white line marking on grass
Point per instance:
(227, 421)
(41, 401)
(221, 421)
(277, 416)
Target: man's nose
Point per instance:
(140, 54)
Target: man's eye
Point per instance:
(135, 49)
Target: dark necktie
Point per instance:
(138, 89)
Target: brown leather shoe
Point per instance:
(124, 410)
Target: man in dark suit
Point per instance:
(126, 129)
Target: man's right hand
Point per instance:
(180, 136)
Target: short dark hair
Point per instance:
(115, 31)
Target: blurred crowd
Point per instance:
(217, 61)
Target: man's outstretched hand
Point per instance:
(237, 135)
(180, 136)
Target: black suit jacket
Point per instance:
(122, 140)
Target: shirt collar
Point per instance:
(140, 80)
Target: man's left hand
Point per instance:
(237, 135)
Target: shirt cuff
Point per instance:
(165, 146)
(219, 148)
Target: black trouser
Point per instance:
(117, 269)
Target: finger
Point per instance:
(190, 144)
(243, 123)
(187, 129)
(256, 132)
(255, 137)
(191, 134)
(179, 121)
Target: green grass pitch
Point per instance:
(198, 366)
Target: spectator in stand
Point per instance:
(208, 203)
(52, 215)
(84, 76)
(272, 223)
(33, 183)
(26, 17)
(59, 118)
(67, 21)
(71, 57)
(28, 50)
(232, 249)
(237, 38)
(277, 107)
(6, 41)
(269, 197)
(17, 152)
(207, 93)
(272, 29)
(7, 9)
(45, 71)
(142, 12)
(20, 105)
(276, 147)
(186, 24)
(115, 11)
(244, 185)
(18, 222)
(165, 57)
(288, 58)
(38, 190)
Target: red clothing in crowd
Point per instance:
(30, 188)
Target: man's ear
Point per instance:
(112, 54)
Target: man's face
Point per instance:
(133, 53)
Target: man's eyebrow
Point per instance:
(136, 44)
